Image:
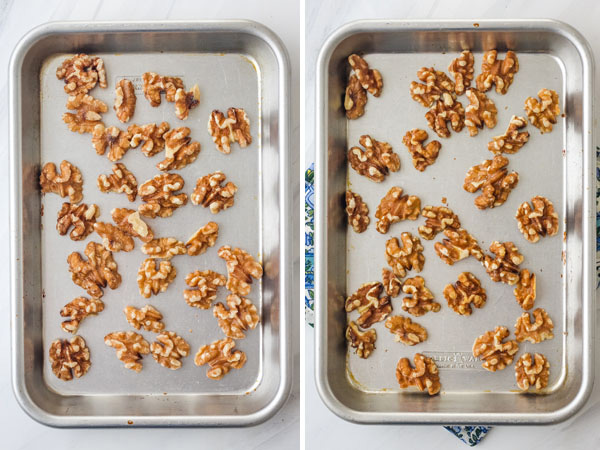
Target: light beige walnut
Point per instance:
(422, 156)
(357, 211)
(125, 100)
(538, 219)
(436, 83)
(148, 317)
(355, 99)
(532, 372)
(405, 330)
(111, 138)
(69, 357)
(409, 256)
(203, 238)
(130, 347)
(465, 293)
(221, 358)
(491, 349)
(81, 217)
(419, 299)
(164, 248)
(113, 238)
(462, 70)
(537, 331)
(525, 290)
(504, 264)
(68, 182)
(446, 109)
(542, 114)
(494, 181)
(150, 136)
(186, 101)
(121, 181)
(239, 316)
(511, 141)
(153, 281)
(361, 340)
(376, 161)
(81, 73)
(391, 282)
(130, 222)
(481, 110)
(497, 71)
(159, 195)
(77, 310)
(210, 193)
(458, 245)
(100, 270)
(367, 301)
(88, 113)
(395, 207)
(205, 284)
(241, 268)
(180, 150)
(168, 349)
(370, 79)
(438, 218)
(154, 85)
(424, 376)
(228, 130)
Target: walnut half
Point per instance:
(203, 238)
(532, 371)
(164, 248)
(525, 290)
(130, 347)
(125, 100)
(355, 99)
(241, 316)
(481, 110)
(241, 268)
(210, 193)
(462, 70)
(362, 340)
(422, 156)
(494, 181)
(438, 218)
(148, 317)
(226, 131)
(370, 79)
(160, 196)
(405, 330)
(150, 136)
(446, 109)
(221, 358)
(81, 73)
(437, 83)
(121, 181)
(168, 349)
(113, 238)
(111, 138)
(419, 299)
(504, 265)
(465, 292)
(100, 270)
(424, 376)
(206, 284)
(357, 211)
(152, 280)
(370, 306)
(543, 114)
(457, 245)
(538, 219)
(395, 207)
(130, 222)
(376, 161)
(81, 217)
(536, 332)
(180, 150)
(88, 113)
(69, 357)
(408, 257)
(68, 182)
(77, 310)
(497, 71)
(511, 141)
(494, 353)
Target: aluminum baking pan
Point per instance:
(551, 55)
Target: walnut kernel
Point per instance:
(481, 110)
(130, 347)
(185, 101)
(543, 114)
(446, 109)
(536, 332)
(362, 340)
(168, 349)
(111, 138)
(203, 238)
(494, 353)
(100, 270)
(150, 136)
(210, 193)
(466, 292)
(164, 248)
(376, 161)
(370, 79)
(532, 372)
(226, 131)
(113, 238)
(511, 141)
(370, 306)
(457, 245)
(81, 217)
(241, 268)
(537, 221)
(424, 376)
(221, 358)
(504, 265)
(241, 316)
(159, 195)
(355, 99)
(419, 299)
(148, 317)
(121, 181)
(130, 222)
(180, 150)
(69, 357)
(462, 70)
(438, 218)
(497, 71)
(357, 211)
(494, 181)
(525, 290)
(77, 310)
(81, 73)
(152, 281)
(395, 207)
(125, 100)
(206, 284)
(88, 115)
(422, 156)
(405, 330)
(408, 257)
(391, 282)
(67, 182)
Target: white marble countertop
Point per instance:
(18, 430)
(323, 428)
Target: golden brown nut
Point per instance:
(543, 114)
(152, 281)
(206, 283)
(226, 131)
(77, 310)
(130, 347)
(130, 222)
(462, 70)
(88, 115)
(210, 193)
(164, 248)
(419, 299)
(481, 110)
(446, 109)
(159, 195)
(155, 84)
(494, 353)
(150, 136)
(391, 282)
(532, 372)
(511, 141)
(536, 332)
(180, 150)
(492, 177)
(69, 357)
(369, 305)
(525, 289)
(113, 238)
(438, 219)
(424, 376)
(405, 330)
(81, 217)
(203, 238)
(422, 156)
(125, 100)
(168, 349)
(537, 221)
(116, 140)
(67, 182)
(100, 270)
(362, 340)
(466, 292)
(408, 257)
(376, 161)
(357, 211)
(121, 181)
(148, 317)
(241, 316)
(370, 79)
(457, 245)
(185, 101)
(504, 266)
(241, 268)
(395, 207)
(221, 358)
(356, 98)
(436, 84)
(497, 71)
(81, 73)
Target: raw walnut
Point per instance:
(436, 84)
(113, 238)
(405, 330)
(539, 221)
(130, 222)
(67, 182)
(81, 217)
(391, 282)
(116, 140)
(100, 270)
(168, 349)
(370, 79)
(77, 310)
(130, 347)
(206, 283)
(125, 100)
(150, 136)
(424, 376)
(370, 306)
(221, 358)
(465, 292)
(438, 218)
(511, 141)
(457, 245)
(376, 161)
(69, 357)
(159, 195)
(422, 156)
(81, 73)
(241, 316)
(241, 268)
(504, 266)
(185, 101)
(481, 110)
(179, 149)
(148, 317)
(525, 289)
(492, 177)
(164, 248)
(152, 281)
(205, 237)
(497, 71)
(408, 257)
(395, 207)
(532, 372)
(462, 70)
(494, 353)
(355, 99)
(419, 299)
(210, 194)
(362, 341)
(536, 332)
(154, 85)
(446, 109)
(358, 212)
(121, 181)
(88, 115)
(543, 114)
(226, 131)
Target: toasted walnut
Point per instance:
(362, 340)
(446, 109)
(370, 79)
(358, 212)
(185, 101)
(67, 182)
(376, 161)
(121, 181)
(148, 317)
(210, 193)
(113, 238)
(419, 299)
(111, 138)
(408, 257)
(226, 131)
(81, 217)
(532, 372)
(88, 115)
(492, 177)
(159, 195)
(537, 221)
(164, 248)
(436, 84)
(536, 332)
(77, 310)
(241, 268)
(81, 73)
(542, 115)
(504, 266)
(395, 207)
(458, 244)
(422, 156)
(150, 136)
(481, 110)
(168, 349)
(466, 292)
(124, 100)
(525, 289)
(69, 357)
(221, 358)
(494, 353)
(405, 330)
(497, 71)
(438, 219)
(206, 283)
(130, 347)
(424, 376)
(130, 222)
(370, 306)
(241, 316)
(180, 150)
(356, 99)
(154, 85)
(100, 270)
(462, 70)
(152, 281)
(511, 141)
(203, 238)
(391, 282)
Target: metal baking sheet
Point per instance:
(235, 64)
(555, 165)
